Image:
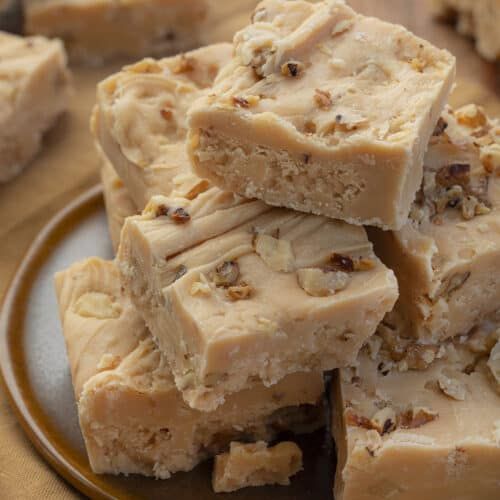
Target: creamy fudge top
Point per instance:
(143, 108)
(108, 342)
(253, 264)
(455, 215)
(20, 59)
(331, 77)
(387, 405)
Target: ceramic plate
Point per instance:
(36, 374)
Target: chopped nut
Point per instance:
(179, 273)
(161, 211)
(97, 305)
(364, 264)
(323, 99)
(196, 190)
(471, 116)
(179, 215)
(240, 102)
(227, 273)
(184, 65)
(239, 292)
(342, 262)
(373, 442)
(418, 64)
(454, 174)
(321, 282)
(166, 114)
(490, 158)
(419, 357)
(441, 126)
(452, 387)
(354, 420)
(276, 253)
(416, 417)
(384, 421)
(292, 69)
(200, 288)
(246, 102)
(494, 364)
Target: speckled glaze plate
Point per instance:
(36, 375)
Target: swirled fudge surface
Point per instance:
(322, 110)
(140, 119)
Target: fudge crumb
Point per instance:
(323, 99)
(452, 387)
(227, 273)
(292, 69)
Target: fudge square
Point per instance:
(96, 30)
(236, 291)
(431, 434)
(446, 256)
(140, 119)
(322, 110)
(132, 417)
(34, 91)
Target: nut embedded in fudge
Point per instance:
(446, 256)
(412, 434)
(133, 418)
(243, 292)
(35, 91)
(322, 110)
(140, 120)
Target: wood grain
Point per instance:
(68, 164)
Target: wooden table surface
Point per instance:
(68, 166)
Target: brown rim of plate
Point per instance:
(19, 393)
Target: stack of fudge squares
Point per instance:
(237, 181)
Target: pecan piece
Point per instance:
(227, 273)
(292, 69)
(454, 174)
(179, 215)
(321, 282)
(323, 99)
(342, 262)
(441, 126)
(416, 417)
(239, 292)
